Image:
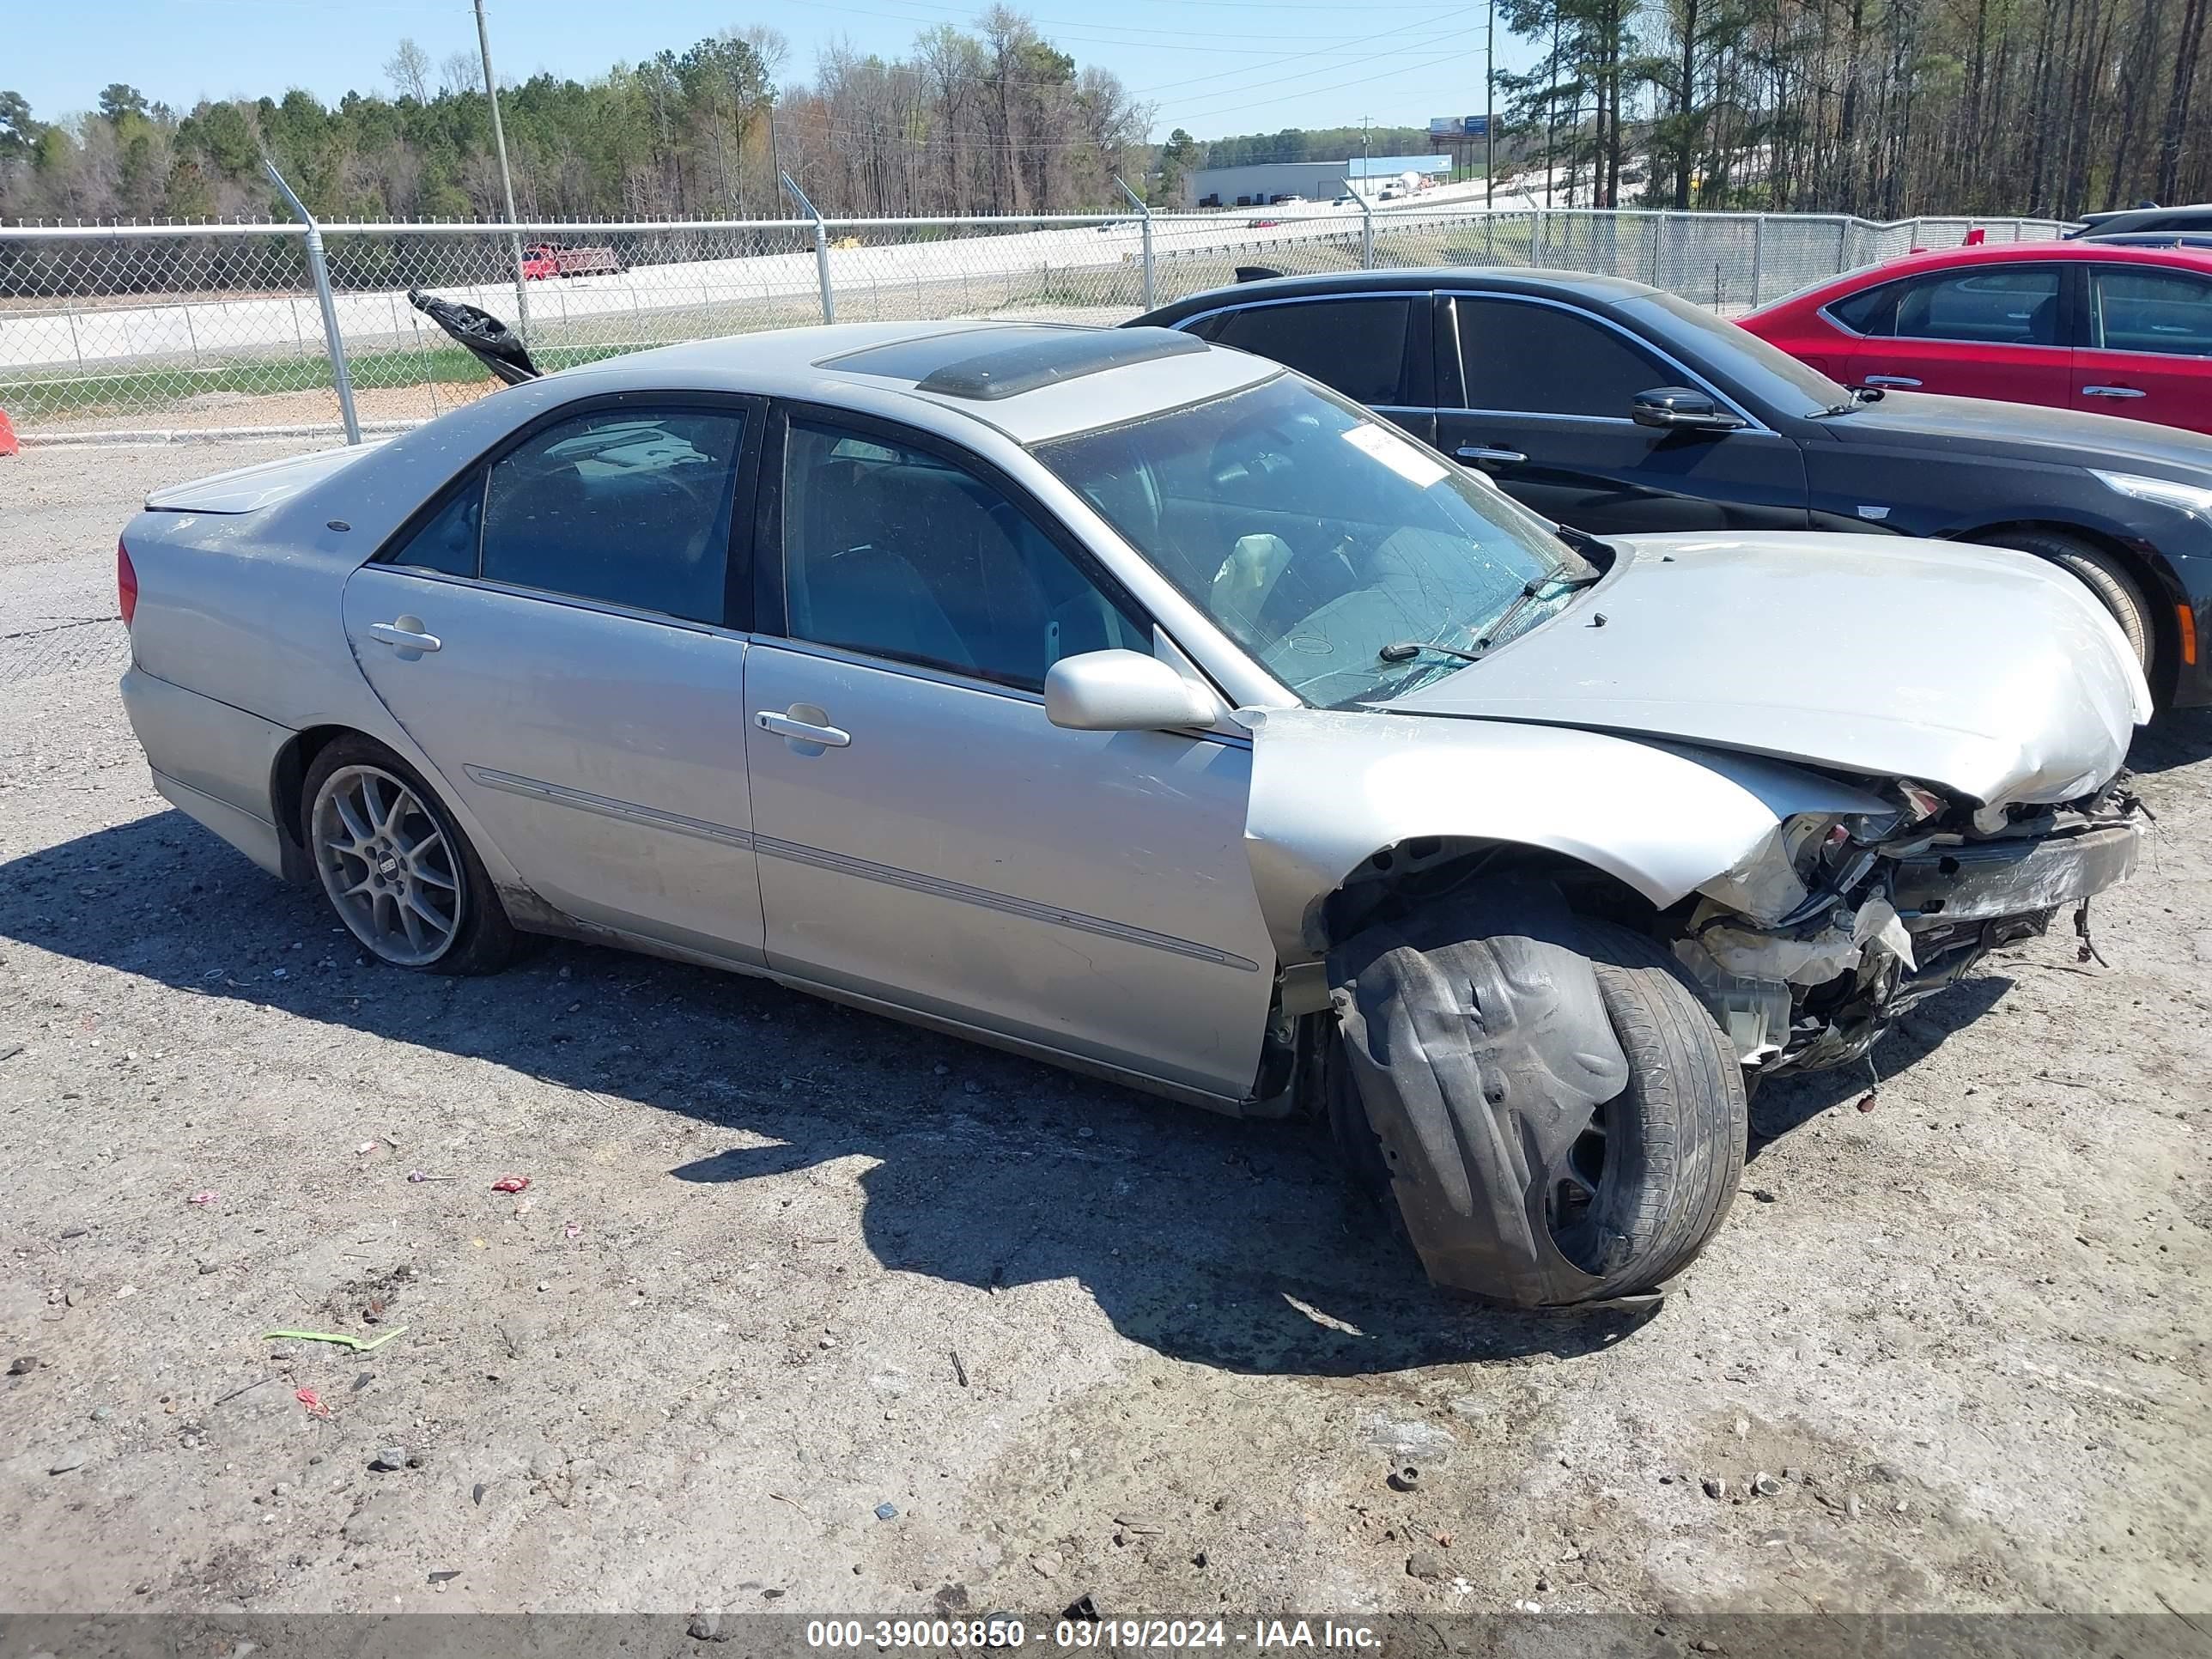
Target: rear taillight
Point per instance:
(126, 584)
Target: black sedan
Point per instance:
(1614, 407)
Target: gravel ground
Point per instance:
(1960, 1325)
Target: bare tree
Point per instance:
(408, 68)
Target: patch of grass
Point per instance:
(151, 389)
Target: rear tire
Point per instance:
(2100, 573)
(396, 867)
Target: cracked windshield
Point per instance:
(1351, 561)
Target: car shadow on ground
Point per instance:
(2177, 739)
(1227, 1243)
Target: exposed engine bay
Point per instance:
(1809, 948)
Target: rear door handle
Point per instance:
(783, 725)
(2111, 392)
(1891, 379)
(1481, 453)
(405, 635)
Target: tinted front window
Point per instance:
(626, 506)
(1315, 535)
(2166, 312)
(1540, 360)
(892, 552)
(1997, 305)
(1356, 346)
(1761, 373)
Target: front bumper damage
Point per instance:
(1892, 920)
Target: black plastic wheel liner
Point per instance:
(494, 343)
(1479, 1039)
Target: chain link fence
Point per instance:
(220, 328)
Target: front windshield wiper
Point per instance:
(1407, 650)
(1583, 542)
(1531, 590)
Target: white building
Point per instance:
(1259, 185)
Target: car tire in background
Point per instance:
(2099, 571)
(394, 865)
(1528, 1164)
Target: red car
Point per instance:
(2082, 324)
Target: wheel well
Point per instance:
(286, 779)
(1423, 869)
(2150, 581)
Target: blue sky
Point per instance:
(1217, 67)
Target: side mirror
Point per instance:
(1122, 691)
(1682, 408)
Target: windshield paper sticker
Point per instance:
(1394, 453)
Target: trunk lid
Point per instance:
(249, 489)
(1978, 670)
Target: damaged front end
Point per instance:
(1809, 947)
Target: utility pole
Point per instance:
(505, 179)
(1490, 109)
(1363, 184)
(775, 148)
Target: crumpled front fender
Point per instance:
(1331, 788)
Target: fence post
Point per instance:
(1758, 256)
(1138, 201)
(320, 271)
(821, 249)
(1366, 226)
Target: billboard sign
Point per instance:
(1458, 126)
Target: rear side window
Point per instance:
(1541, 360)
(629, 505)
(2165, 311)
(1872, 312)
(448, 542)
(1358, 347)
(2000, 305)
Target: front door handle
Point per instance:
(2111, 392)
(799, 731)
(1891, 379)
(407, 633)
(1481, 453)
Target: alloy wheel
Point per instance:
(388, 865)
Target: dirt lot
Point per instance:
(1964, 1329)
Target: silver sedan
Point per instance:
(1137, 705)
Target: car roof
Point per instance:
(2182, 215)
(1031, 381)
(1829, 288)
(1584, 285)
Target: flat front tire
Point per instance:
(398, 871)
(1655, 1175)
(1553, 1111)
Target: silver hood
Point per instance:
(1983, 672)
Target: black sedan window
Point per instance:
(1542, 360)
(1356, 346)
(1742, 365)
